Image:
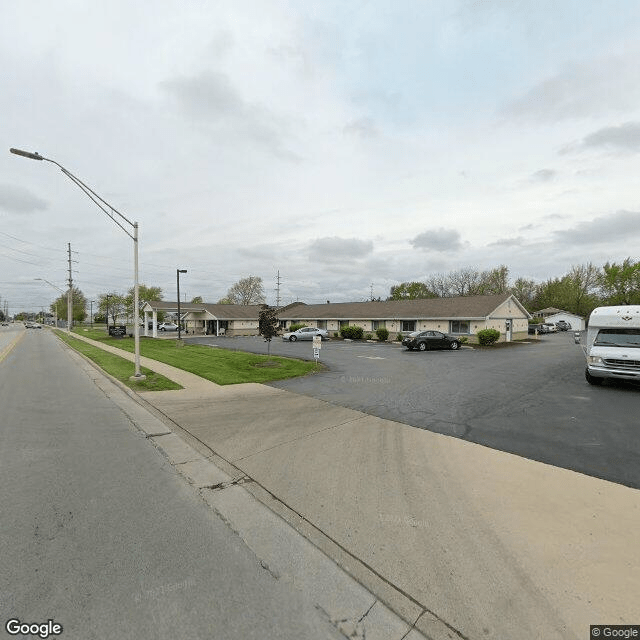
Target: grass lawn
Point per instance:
(118, 367)
(218, 365)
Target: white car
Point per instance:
(551, 328)
(168, 326)
(305, 333)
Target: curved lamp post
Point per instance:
(110, 211)
(69, 306)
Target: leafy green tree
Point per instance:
(78, 306)
(145, 294)
(575, 292)
(525, 291)
(196, 300)
(410, 291)
(113, 303)
(620, 283)
(494, 282)
(268, 324)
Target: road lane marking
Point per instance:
(7, 350)
(371, 357)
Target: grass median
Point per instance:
(218, 365)
(120, 368)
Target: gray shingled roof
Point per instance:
(220, 311)
(467, 307)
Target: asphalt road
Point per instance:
(99, 533)
(528, 399)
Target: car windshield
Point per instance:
(618, 337)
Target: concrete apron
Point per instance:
(488, 543)
(469, 541)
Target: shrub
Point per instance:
(382, 333)
(296, 326)
(355, 333)
(488, 336)
(336, 334)
(399, 337)
(463, 339)
(368, 336)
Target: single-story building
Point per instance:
(577, 322)
(204, 318)
(462, 316)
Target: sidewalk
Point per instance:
(465, 541)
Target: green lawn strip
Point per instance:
(119, 367)
(218, 365)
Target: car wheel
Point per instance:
(593, 379)
(292, 338)
(454, 345)
(422, 346)
(162, 329)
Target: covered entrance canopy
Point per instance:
(205, 319)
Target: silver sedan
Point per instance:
(305, 333)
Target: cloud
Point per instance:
(508, 242)
(339, 249)
(211, 99)
(544, 175)
(16, 199)
(624, 137)
(363, 128)
(619, 226)
(594, 87)
(438, 240)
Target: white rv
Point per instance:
(613, 344)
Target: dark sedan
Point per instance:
(425, 340)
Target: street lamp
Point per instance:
(68, 302)
(91, 313)
(134, 236)
(178, 272)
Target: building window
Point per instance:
(322, 324)
(377, 324)
(408, 325)
(344, 323)
(460, 326)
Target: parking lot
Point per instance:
(528, 399)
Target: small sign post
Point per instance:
(317, 343)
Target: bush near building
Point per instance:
(487, 337)
(383, 334)
(354, 333)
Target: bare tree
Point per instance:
(246, 291)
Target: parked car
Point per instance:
(551, 328)
(425, 340)
(563, 325)
(168, 326)
(534, 328)
(305, 333)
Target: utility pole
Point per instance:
(372, 291)
(69, 295)
(278, 290)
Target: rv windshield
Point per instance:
(618, 337)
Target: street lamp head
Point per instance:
(181, 270)
(26, 154)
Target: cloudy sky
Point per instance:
(349, 144)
